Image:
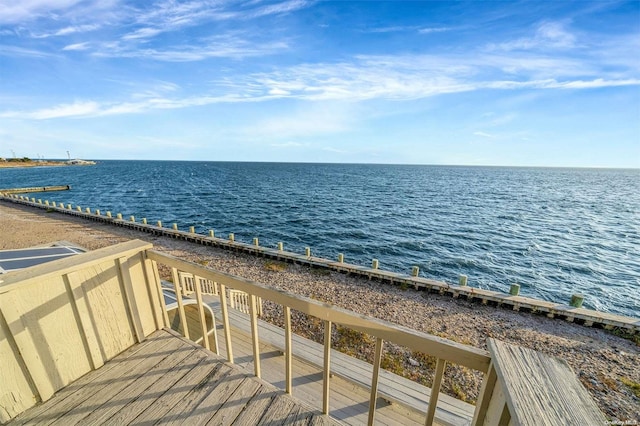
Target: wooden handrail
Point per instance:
(444, 350)
(453, 352)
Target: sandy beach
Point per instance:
(606, 364)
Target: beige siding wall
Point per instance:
(106, 297)
(60, 320)
(15, 392)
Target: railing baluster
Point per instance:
(254, 335)
(225, 321)
(178, 290)
(152, 290)
(287, 349)
(374, 380)
(435, 391)
(327, 367)
(163, 305)
(482, 405)
(203, 322)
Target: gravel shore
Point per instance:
(606, 364)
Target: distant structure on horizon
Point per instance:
(78, 162)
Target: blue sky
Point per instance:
(475, 83)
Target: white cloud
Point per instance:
(484, 134)
(421, 76)
(430, 30)
(279, 92)
(554, 34)
(12, 12)
(155, 90)
(77, 46)
(223, 46)
(142, 33)
(68, 30)
(21, 51)
(548, 35)
(280, 8)
(394, 29)
(77, 109)
(170, 15)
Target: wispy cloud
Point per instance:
(321, 82)
(223, 46)
(548, 35)
(142, 33)
(77, 46)
(484, 135)
(408, 28)
(168, 15)
(279, 8)
(21, 51)
(394, 29)
(76, 109)
(68, 31)
(155, 90)
(431, 30)
(18, 11)
(421, 76)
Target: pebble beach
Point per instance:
(606, 364)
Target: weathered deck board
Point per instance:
(226, 404)
(87, 386)
(143, 386)
(536, 388)
(169, 380)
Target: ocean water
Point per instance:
(553, 231)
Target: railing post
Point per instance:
(254, 335)
(163, 305)
(374, 381)
(484, 398)
(178, 290)
(327, 367)
(203, 322)
(152, 291)
(435, 391)
(287, 349)
(225, 321)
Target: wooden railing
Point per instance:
(444, 350)
(237, 299)
(111, 298)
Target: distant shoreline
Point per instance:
(23, 164)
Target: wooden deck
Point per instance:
(169, 380)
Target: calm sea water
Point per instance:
(553, 231)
